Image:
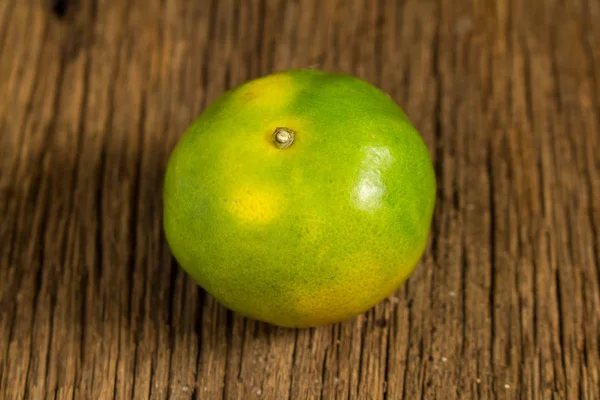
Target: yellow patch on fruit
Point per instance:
(340, 299)
(271, 91)
(258, 205)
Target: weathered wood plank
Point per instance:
(505, 302)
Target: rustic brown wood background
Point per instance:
(505, 303)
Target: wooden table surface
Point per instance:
(505, 302)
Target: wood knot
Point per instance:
(59, 8)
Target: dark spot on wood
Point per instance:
(382, 322)
(60, 8)
(409, 304)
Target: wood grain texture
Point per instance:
(505, 302)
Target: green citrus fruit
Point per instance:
(301, 198)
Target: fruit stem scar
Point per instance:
(283, 137)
